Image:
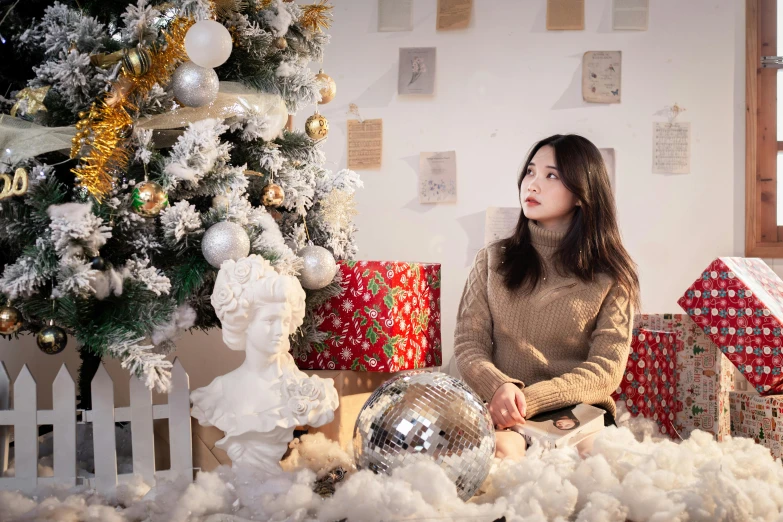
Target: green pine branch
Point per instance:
(22, 220)
(297, 146)
(188, 276)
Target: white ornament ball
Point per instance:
(319, 267)
(223, 241)
(194, 86)
(208, 43)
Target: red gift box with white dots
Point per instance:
(738, 303)
(649, 385)
(386, 320)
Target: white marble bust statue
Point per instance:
(259, 404)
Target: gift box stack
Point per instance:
(758, 417)
(703, 377)
(649, 385)
(738, 303)
(386, 321)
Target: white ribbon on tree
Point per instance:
(21, 139)
(233, 100)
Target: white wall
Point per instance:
(502, 84)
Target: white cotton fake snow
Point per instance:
(628, 476)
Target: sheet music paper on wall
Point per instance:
(630, 15)
(500, 223)
(601, 74)
(438, 177)
(395, 15)
(608, 156)
(365, 144)
(453, 14)
(671, 148)
(565, 15)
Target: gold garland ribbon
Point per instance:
(316, 17)
(103, 130)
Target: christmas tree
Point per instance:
(145, 143)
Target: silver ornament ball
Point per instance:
(223, 241)
(426, 413)
(319, 267)
(194, 86)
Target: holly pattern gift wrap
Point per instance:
(387, 319)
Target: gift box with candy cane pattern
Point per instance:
(387, 319)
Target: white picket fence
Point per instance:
(25, 418)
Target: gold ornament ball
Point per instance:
(149, 199)
(281, 43)
(329, 91)
(10, 320)
(317, 127)
(51, 339)
(272, 195)
(136, 61)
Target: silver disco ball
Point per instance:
(427, 413)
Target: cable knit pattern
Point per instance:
(566, 342)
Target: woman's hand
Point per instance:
(508, 406)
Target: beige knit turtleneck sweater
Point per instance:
(566, 342)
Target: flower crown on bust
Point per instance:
(253, 280)
(309, 400)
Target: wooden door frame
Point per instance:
(763, 237)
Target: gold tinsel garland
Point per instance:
(226, 8)
(316, 17)
(104, 128)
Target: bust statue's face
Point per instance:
(269, 330)
(257, 307)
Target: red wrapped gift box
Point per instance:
(649, 387)
(738, 303)
(704, 376)
(386, 320)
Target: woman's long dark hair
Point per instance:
(592, 244)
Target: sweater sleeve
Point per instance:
(473, 334)
(595, 379)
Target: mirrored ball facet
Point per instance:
(427, 413)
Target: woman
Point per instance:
(546, 315)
